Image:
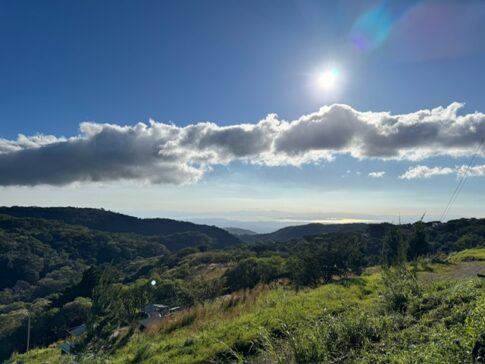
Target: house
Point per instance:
(155, 309)
(78, 330)
(155, 312)
(173, 309)
(67, 346)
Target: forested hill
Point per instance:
(301, 231)
(98, 219)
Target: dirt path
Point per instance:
(454, 271)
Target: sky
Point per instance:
(255, 114)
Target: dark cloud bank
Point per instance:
(164, 153)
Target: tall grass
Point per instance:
(236, 324)
(353, 321)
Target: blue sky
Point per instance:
(233, 62)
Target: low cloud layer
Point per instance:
(165, 153)
(418, 172)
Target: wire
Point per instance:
(461, 181)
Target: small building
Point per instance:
(155, 312)
(155, 309)
(67, 346)
(174, 309)
(78, 330)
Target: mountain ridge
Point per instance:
(113, 222)
(301, 231)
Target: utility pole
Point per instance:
(28, 331)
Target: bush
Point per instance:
(400, 287)
(251, 271)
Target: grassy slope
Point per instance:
(343, 322)
(475, 254)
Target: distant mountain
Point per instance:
(177, 234)
(300, 231)
(238, 231)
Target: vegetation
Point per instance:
(467, 255)
(177, 234)
(388, 294)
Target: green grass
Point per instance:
(475, 254)
(38, 356)
(220, 334)
(350, 321)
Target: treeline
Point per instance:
(176, 234)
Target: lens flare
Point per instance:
(373, 28)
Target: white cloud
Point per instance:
(165, 153)
(471, 171)
(427, 172)
(379, 174)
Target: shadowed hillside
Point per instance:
(180, 234)
(300, 231)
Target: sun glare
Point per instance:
(328, 79)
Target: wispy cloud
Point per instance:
(379, 174)
(165, 153)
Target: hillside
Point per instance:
(239, 231)
(180, 234)
(300, 231)
(349, 321)
(344, 297)
(41, 259)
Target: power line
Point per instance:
(461, 181)
(457, 189)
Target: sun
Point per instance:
(328, 79)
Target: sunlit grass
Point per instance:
(475, 254)
(38, 356)
(237, 323)
(348, 319)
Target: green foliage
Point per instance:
(228, 311)
(329, 324)
(107, 310)
(394, 249)
(251, 271)
(475, 254)
(176, 234)
(48, 324)
(418, 243)
(322, 260)
(336, 338)
(401, 287)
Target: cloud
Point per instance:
(165, 153)
(427, 172)
(379, 174)
(475, 171)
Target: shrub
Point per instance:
(400, 287)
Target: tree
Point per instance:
(322, 260)
(251, 271)
(107, 308)
(394, 248)
(418, 243)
